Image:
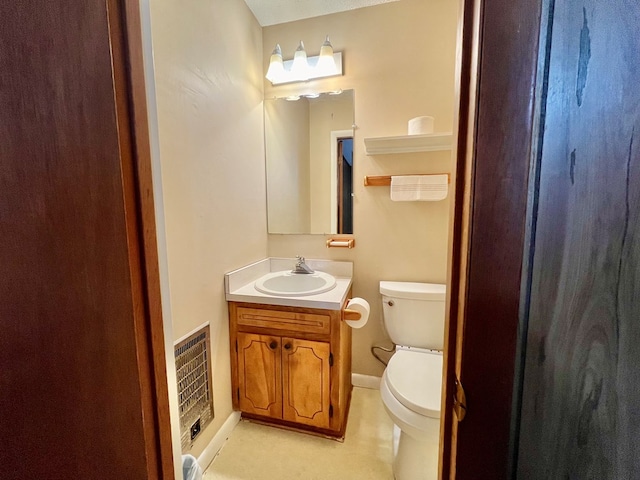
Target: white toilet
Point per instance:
(412, 382)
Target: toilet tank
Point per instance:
(413, 313)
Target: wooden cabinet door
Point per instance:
(306, 374)
(259, 374)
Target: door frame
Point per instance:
(129, 31)
(336, 135)
(498, 66)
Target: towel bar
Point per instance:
(385, 180)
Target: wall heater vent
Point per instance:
(193, 369)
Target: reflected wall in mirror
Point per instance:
(309, 162)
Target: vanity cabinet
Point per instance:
(291, 366)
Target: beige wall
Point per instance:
(209, 84)
(399, 59)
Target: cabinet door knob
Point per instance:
(287, 346)
(273, 345)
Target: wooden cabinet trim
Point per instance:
(282, 320)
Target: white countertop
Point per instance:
(239, 284)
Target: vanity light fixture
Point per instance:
(303, 68)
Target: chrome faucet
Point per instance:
(301, 267)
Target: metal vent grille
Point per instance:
(193, 369)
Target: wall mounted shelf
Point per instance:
(408, 144)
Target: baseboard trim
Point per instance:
(216, 443)
(365, 381)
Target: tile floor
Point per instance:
(259, 452)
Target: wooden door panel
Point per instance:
(579, 416)
(306, 375)
(259, 374)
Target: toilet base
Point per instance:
(414, 459)
(415, 439)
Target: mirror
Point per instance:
(309, 163)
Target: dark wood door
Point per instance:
(580, 416)
(546, 251)
(496, 122)
(82, 382)
(345, 185)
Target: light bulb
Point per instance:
(300, 67)
(326, 64)
(276, 67)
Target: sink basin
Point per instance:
(287, 284)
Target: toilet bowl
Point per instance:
(410, 390)
(411, 386)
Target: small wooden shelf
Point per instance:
(408, 144)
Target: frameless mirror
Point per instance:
(309, 163)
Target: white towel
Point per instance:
(419, 188)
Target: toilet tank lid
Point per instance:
(413, 290)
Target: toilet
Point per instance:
(411, 385)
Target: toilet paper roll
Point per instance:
(361, 306)
(421, 125)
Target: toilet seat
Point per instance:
(415, 380)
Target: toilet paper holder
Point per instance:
(351, 315)
(341, 242)
(356, 312)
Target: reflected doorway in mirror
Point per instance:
(342, 181)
